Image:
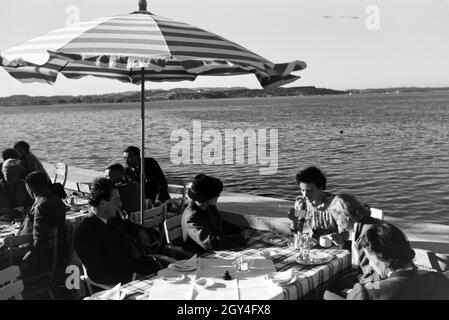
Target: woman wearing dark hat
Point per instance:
(203, 227)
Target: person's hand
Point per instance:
(337, 239)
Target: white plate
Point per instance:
(172, 276)
(316, 257)
(275, 240)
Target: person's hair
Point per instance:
(37, 181)
(11, 164)
(348, 205)
(101, 190)
(22, 144)
(389, 244)
(116, 167)
(10, 153)
(132, 149)
(312, 175)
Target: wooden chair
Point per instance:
(61, 170)
(178, 189)
(152, 219)
(10, 285)
(173, 235)
(377, 213)
(90, 284)
(17, 246)
(430, 260)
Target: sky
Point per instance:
(347, 44)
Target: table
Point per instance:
(311, 280)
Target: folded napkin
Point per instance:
(111, 294)
(283, 277)
(184, 265)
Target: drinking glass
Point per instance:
(243, 264)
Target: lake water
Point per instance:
(393, 152)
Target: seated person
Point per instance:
(47, 212)
(390, 255)
(353, 220)
(110, 248)
(15, 201)
(29, 160)
(312, 206)
(10, 154)
(129, 190)
(156, 187)
(203, 227)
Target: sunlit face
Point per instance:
(377, 264)
(309, 191)
(130, 159)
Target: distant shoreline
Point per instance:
(201, 94)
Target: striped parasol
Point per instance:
(139, 47)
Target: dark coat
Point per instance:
(404, 285)
(156, 187)
(47, 212)
(17, 196)
(129, 195)
(206, 230)
(107, 251)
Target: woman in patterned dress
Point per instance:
(312, 206)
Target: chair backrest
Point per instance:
(90, 283)
(151, 218)
(18, 246)
(10, 285)
(377, 213)
(172, 228)
(178, 189)
(431, 260)
(61, 170)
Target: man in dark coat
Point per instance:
(107, 245)
(129, 190)
(14, 198)
(203, 227)
(47, 212)
(156, 187)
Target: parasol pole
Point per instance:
(142, 152)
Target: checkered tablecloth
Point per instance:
(311, 280)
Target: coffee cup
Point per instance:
(325, 241)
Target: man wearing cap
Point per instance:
(203, 228)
